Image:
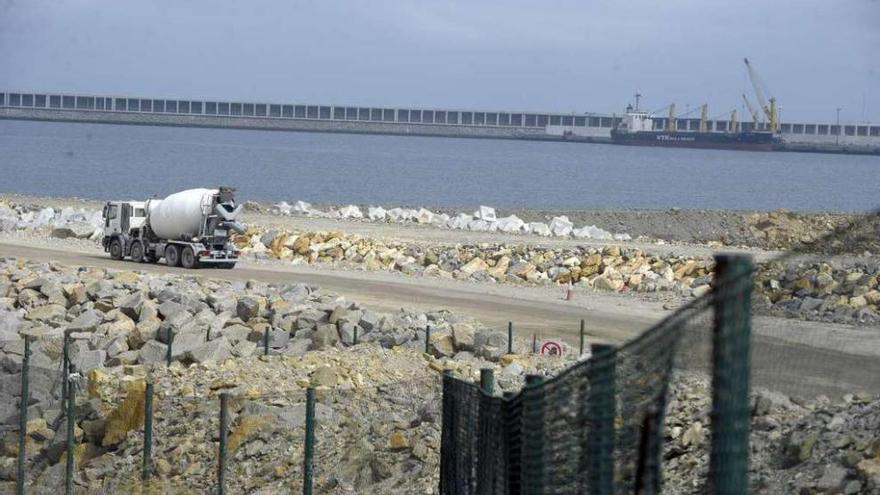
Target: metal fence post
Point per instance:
(71, 424)
(224, 435)
(533, 462)
(581, 352)
(168, 351)
(65, 364)
(148, 433)
(487, 381)
(266, 341)
(448, 449)
(601, 412)
(731, 365)
(23, 401)
(427, 339)
(487, 448)
(534, 343)
(309, 448)
(510, 337)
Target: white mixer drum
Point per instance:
(181, 213)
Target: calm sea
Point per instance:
(110, 161)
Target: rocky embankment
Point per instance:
(378, 411)
(813, 289)
(777, 230)
(839, 291)
(797, 446)
(120, 324)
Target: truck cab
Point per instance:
(121, 217)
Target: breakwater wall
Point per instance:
(584, 127)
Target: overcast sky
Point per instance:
(813, 55)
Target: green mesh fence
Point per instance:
(598, 427)
(595, 428)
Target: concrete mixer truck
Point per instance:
(190, 228)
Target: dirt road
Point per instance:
(796, 357)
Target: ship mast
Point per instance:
(670, 122)
(704, 118)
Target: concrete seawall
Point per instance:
(262, 123)
(575, 127)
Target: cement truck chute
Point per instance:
(189, 228)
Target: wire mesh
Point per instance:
(546, 434)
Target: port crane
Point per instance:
(770, 110)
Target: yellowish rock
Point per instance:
(127, 417)
(398, 441)
(246, 429)
(97, 380)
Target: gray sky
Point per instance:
(813, 55)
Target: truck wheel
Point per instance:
(137, 252)
(172, 255)
(116, 249)
(188, 258)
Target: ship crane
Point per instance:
(752, 111)
(770, 110)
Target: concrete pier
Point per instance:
(499, 124)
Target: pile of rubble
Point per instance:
(378, 411)
(797, 446)
(120, 323)
(842, 293)
(484, 219)
(611, 268)
(63, 223)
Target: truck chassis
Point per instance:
(176, 253)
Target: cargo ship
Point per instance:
(637, 128)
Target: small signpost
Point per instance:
(552, 348)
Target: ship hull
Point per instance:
(748, 141)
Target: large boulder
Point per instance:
(248, 307)
(326, 335)
(86, 361)
(217, 350)
(475, 265)
(479, 225)
(425, 216)
(376, 213)
(78, 230)
(592, 232)
(350, 211)
(283, 208)
(10, 323)
(490, 344)
(43, 217)
(302, 208)
(539, 228)
(511, 224)
(561, 226)
(486, 213)
(460, 221)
